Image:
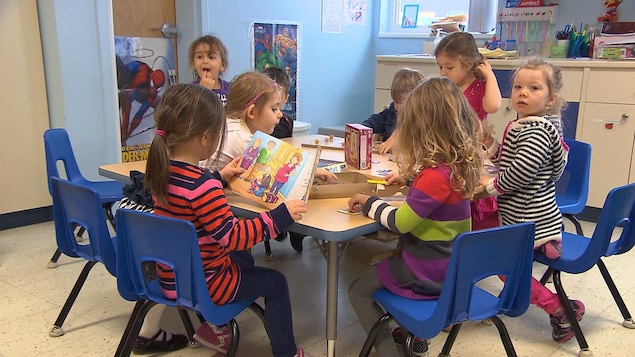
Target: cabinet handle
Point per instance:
(622, 120)
(509, 109)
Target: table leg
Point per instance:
(331, 298)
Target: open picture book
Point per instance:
(275, 171)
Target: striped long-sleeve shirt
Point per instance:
(197, 195)
(531, 158)
(428, 222)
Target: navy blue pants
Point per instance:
(272, 286)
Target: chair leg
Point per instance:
(545, 277)
(372, 334)
(628, 319)
(575, 325)
(187, 323)
(258, 310)
(233, 346)
(268, 254)
(109, 215)
(57, 329)
(53, 262)
(449, 341)
(576, 223)
(502, 331)
(133, 327)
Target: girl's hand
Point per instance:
(486, 69)
(296, 208)
(207, 81)
(386, 145)
(356, 202)
(232, 169)
(394, 177)
(325, 175)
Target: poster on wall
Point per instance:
(145, 67)
(276, 44)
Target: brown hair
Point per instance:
(403, 82)
(461, 45)
(438, 111)
(215, 45)
(279, 76)
(246, 89)
(184, 112)
(553, 77)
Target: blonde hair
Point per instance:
(215, 45)
(246, 89)
(437, 125)
(461, 45)
(403, 82)
(184, 112)
(553, 78)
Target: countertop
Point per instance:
(513, 63)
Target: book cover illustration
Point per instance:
(274, 171)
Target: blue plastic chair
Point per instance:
(57, 147)
(76, 205)
(580, 254)
(504, 250)
(146, 238)
(572, 189)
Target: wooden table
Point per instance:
(321, 221)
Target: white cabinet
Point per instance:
(609, 126)
(383, 79)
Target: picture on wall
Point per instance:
(276, 44)
(145, 67)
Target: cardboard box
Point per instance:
(615, 52)
(358, 146)
(350, 183)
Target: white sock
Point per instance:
(151, 322)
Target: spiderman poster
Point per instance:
(277, 45)
(145, 67)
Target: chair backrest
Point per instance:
(57, 147)
(504, 251)
(148, 238)
(618, 212)
(78, 205)
(572, 189)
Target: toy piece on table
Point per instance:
(349, 212)
(326, 143)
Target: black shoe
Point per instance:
(143, 345)
(282, 236)
(296, 241)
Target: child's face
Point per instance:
(530, 93)
(267, 115)
(207, 62)
(452, 68)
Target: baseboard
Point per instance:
(26, 217)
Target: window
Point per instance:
(481, 16)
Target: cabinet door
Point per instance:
(500, 119)
(611, 147)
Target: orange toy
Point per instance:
(611, 11)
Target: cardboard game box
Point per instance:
(350, 183)
(358, 146)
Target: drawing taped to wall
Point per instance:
(145, 67)
(276, 44)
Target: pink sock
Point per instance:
(552, 249)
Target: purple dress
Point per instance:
(222, 92)
(248, 158)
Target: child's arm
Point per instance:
(492, 99)
(214, 214)
(377, 121)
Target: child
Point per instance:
(208, 56)
(404, 80)
(445, 168)
(531, 159)
(284, 129)
(190, 124)
(459, 60)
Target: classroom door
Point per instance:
(146, 65)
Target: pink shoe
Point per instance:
(552, 249)
(300, 353)
(214, 338)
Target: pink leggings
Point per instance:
(541, 296)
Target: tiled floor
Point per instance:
(32, 296)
